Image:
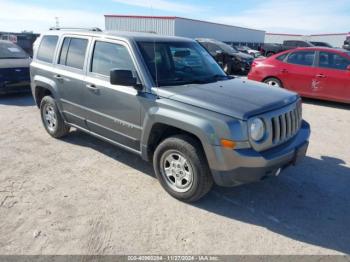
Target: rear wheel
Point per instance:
(182, 169)
(272, 81)
(52, 119)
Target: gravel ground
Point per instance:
(83, 196)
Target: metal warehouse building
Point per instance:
(336, 40)
(178, 26)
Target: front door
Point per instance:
(113, 112)
(333, 77)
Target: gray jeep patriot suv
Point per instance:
(167, 100)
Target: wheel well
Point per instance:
(41, 92)
(160, 132)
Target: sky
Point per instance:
(274, 16)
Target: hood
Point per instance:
(238, 98)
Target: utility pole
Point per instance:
(57, 20)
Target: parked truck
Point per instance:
(270, 49)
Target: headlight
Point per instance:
(257, 129)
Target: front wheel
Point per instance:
(182, 169)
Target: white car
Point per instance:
(248, 50)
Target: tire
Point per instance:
(268, 54)
(195, 180)
(272, 81)
(52, 119)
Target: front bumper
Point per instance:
(246, 165)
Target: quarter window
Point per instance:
(282, 57)
(305, 58)
(47, 48)
(108, 56)
(73, 52)
(333, 61)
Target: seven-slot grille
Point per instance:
(286, 125)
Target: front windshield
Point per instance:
(227, 48)
(180, 63)
(11, 51)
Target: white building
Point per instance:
(336, 40)
(178, 26)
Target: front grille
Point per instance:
(281, 125)
(286, 125)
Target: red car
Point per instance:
(316, 72)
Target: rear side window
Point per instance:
(47, 48)
(73, 52)
(305, 58)
(108, 56)
(333, 61)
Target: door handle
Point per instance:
(284, 71)
(92, 87)
(321, 76)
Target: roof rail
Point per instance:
(94, 29)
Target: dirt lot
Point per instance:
(82, 196)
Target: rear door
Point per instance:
(297, 73)
(113, 111)
(332, 76)
(70, 75)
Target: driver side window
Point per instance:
(108, 56)
(333, 61)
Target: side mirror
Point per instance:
(123, 78)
